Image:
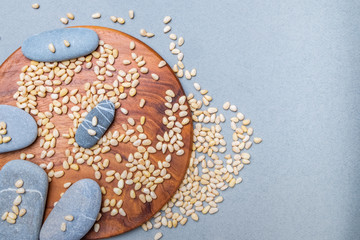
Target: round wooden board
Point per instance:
(152, 91)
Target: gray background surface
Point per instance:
(291, 66)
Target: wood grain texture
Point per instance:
(152, 91)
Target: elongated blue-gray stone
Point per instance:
(82, 41)
(104, 113)
(21, 127)
(33, 200)
(82, 201)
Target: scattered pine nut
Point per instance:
(219, 199)
(257, 140)
(181, 41)
(167, 19)
(195, 217)
(4, 216)
(10, 220)
(64, 20)
(155, 76)
(150, 35)
(70, 16)
(113, 19)
(63, 227)
(22, 212)
(233, 108)
(91, 132)
(132, 44)
(187, 75)
(66, 43)
(131, 14)
(96, 227)
(162, 63)
(158, 236)
(19, 183)
(59, 174)
(15, 210)
(52, 48)
(197, 86)
(167, 29)
(69, 218)
(35, 6)
(240, 116)
(142, 103)
(246, 122)
(173, 36)
(96, 15)
(120, 20)
(143, 32)
(94, 122)
(226, 105)
(172, 46)
(20, 190)
(175, 51)
(6, 139)
(17, 200)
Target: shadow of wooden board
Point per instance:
(154, 110)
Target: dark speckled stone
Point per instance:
(104, 112)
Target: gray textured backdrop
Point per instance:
(291, 66)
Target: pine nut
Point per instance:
(131, 14)
(96, 15)
(70, 16)
(64, 20)
(52, 48)
(66, 43)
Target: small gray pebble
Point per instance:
(104, 112)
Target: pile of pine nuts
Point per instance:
(15, 212)
(3, 131)
(212, 168)
(41, 79)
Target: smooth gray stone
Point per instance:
(21, 127)
(82, 200)
(82, 41)
(104, 112)
(35, 180)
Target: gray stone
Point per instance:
(82, 41)
(82, 200)
(21, 127)
(104, 112)
(35, 180)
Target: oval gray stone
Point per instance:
(82, 41)
(21, 127)
(105, 112)
(35, 180)
(82, 200)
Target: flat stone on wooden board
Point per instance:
(21, 127)
(33, 200)
(82, 201)
(104, 112)
(82, 41)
